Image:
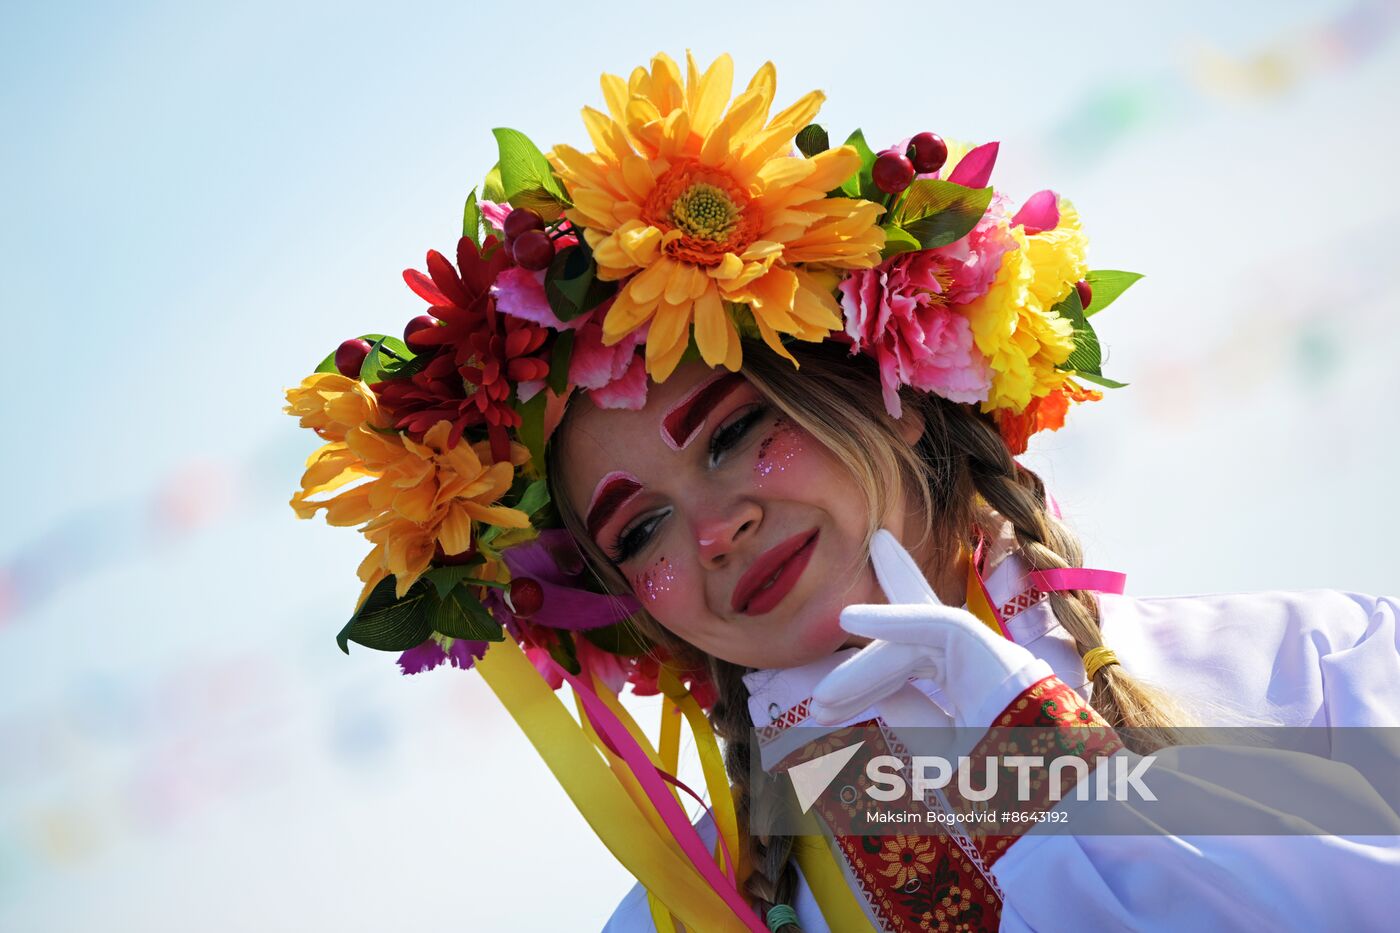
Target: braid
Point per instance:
(1018, 495)
(773, 879)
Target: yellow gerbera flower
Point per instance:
(697, 205)
(331, 404)
(417, 496)
(1013, 324)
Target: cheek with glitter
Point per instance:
(655, 583)
(778, 452)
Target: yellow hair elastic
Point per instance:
(1096, 658)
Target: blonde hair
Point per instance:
(962, 475)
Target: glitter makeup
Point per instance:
(777, 450)
(654, 582)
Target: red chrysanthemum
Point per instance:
(482, 353)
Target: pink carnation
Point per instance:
(903, 313)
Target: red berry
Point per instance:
(526, 596)
(521, 220)
(533, 250)
(1086, 293)
(928, 152)
(350, 356)
(892, 172)
(411, 329)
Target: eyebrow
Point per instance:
(683, 421)
(611, 493)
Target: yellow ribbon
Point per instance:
(977, 601)
(608, 797)
(655, 860)
(834, 896)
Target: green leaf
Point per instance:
(393, 344)
(461, 615)
(492, 189)
(535, 498)
(388, 624)
(526, 175)
(571, 283)
(376, 366)
(399, 369)
(531, 431)
(937, 212)
(565, 653)
(1097, 379)
(445, 579)
(1086, 358)
(471, 220)
(812, 140)
(898, 240)
(861, 185)
(619, 638)
(1107, 285)
(559, 359)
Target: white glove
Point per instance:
(979, 671)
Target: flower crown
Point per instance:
(696, 221)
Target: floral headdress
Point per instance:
(699, 219)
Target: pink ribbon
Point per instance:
(1078, 578)
(649, 776)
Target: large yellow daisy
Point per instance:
(697, 203)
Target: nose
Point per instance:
(718, 532)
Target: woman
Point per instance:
(805, 465)
(774, 389)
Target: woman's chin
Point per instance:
(818, 636)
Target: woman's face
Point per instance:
(737, 530)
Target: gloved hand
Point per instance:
(916, 635)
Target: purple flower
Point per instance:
(555, 562)
(461, 652)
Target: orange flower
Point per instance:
(696, 203)
(331, 404)
(416, 496)
(907, 857)
(1044, 413)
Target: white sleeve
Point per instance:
(1361, 682)
(1280, 881)
(633, 914)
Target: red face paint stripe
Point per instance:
(686, 417)
(614, 490)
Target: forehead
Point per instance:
(597, 441)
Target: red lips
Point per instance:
(781, 564)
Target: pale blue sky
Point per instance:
(204, 199)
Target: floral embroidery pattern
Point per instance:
(928, 882)
(912, 882)
(1064, 725)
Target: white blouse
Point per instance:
(1288, 658)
